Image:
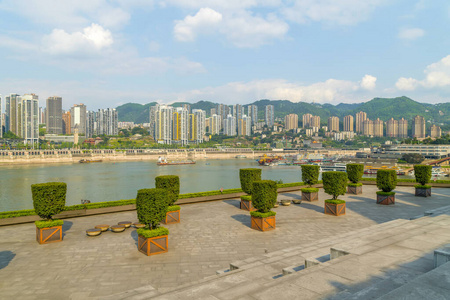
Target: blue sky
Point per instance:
(106, 53)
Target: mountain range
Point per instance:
(383, 108)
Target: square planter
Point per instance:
(247, 205)
(310, 196)
(354, 190)
(263, 224)
(49, 235)
(335, 209)
(423, 192)
(172, 217)
(154, 245)
(385, 200)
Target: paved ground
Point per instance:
(210, 236)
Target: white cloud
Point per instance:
(342, 12)
(368, 82)
(204, 21)
(411, 33)
(91, 40)
(406, 84)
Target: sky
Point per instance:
(105, 53)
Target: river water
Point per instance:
(110, 181)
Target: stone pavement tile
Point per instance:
(286, 291)
(401, 253)
(321, 282)
(376, 260)
(237, 291)
(418, 291)
(354, 271)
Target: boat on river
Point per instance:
(165, 162)
(87, 161)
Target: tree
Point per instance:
(412, 158)
(334, 183)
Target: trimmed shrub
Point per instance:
(419, 186)
(335, 201)
(151, 206)
(386, 180)
(172, 184)
(160, 231)
(49, 198)
(310, 174)
(257, 214)
(422, 174)
(246, 197)
(48, 224)
(247, 177)
(264, 195)
(173, 208)
(385, 193)
(355, 172)
(309, 190)
(335, 183)
(355, 184)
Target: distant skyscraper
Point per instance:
(306, 118)
(378, 128)
(435, 131)
(402, 128)
(187, 107)
(199, 125)
(13, 115)
(54, 115)
(66, 123)
(291, 121)
(245, 126)
(253, 113)
(230, 125)
(392, 128)
(1, 117)
(360, 117)
(30, 118)
(333, 124)
(180, 126)
(418, 127)
(78, 118)
(270, 116)
(315, 122)
(348, 123)
(367, 127)
(91, 124)
(107, 122)
(163, 124)
(215, 124)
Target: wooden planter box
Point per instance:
(172, 217)
(385, 200)
(154, 245)
(263, 224)
(310, 196)
(423, 192)
(247, 205)
(335, 209)
(354, 190)
(49, 235)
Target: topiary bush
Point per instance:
(247, 177)
(310, 174)
(49, 198)
(386, 180)
(422, 173)
(264, 195)
(151, 206)
(172, 184)
(355, 172)
(335, 183)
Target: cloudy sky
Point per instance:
(108, 52)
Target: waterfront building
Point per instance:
(245, 126)
(435, 131)
(315, 122)
(13, 105)
(30, 118)
(291, 121)
(333, 124)
(198, 126)
(418, 127)
(368, 127)
(107, 122)
(78, 118)
(402, 128)
(1, 117)
(427, 151)
(344, 135)
(212, 112)
(53, 118)
(253, 113)
(359, 120)
(180, 126)
(187, 107)
(230, 125)
(392, 128)
(378, 128)
(215, 123)
(42, 115)
(238, 111)
(91, 124)
(66, 120)
(348, 123)
(270, 116)
(163, 124)
(306, 119)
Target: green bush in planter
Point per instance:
(264, 195)
(422, 173)
(355, 172)
(247, 177)
(310, 174)
(49, 198)
(151, 206)
(335, 183)
(172, 184)
(386, 180)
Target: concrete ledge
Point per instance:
(441, 256)
(335, 253)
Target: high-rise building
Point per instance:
(368, 127)
(402, 128)
(306, 118)
(270, 116)
(230, 125)
(180, 126)
(13, 114)
(107, 122)
(244, 126)
(291, 121)
(163, 124)
(315, 121)
(66, 118)
(392, 128)
(78, 118)
(253, 113)
(238, 111)
(30, 118)
(435, 131)
(333, 124)
(348, 123)
(378, 127)
(359, 120)
(199, 125)
(54, 115)
(212, 112)
(91, 124)
(418, 127)
(187, 107)
(215, 124)
(1, 117)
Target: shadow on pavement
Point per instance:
(5, 258)
(244, 219)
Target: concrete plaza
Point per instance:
(209, 237)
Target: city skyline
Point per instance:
(108, 53)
